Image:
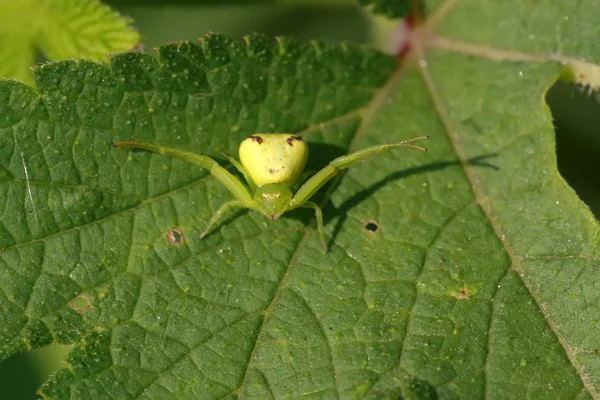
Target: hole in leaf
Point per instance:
(175, 237)
(371, 226)
(81, 303)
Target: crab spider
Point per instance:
(272, 165)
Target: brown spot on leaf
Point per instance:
(80, 303)
(291, 139)
(256, 139)
(371, 226)
(175, 237)
(463, 293)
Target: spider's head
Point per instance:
(273, 199)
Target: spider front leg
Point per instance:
(312, 185)
(237, 188)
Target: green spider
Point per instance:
(272, 165)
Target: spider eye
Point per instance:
(274, 158)
(272, 196)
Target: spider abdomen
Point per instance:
(274, 158)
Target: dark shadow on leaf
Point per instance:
(321, 154)
(341, 211)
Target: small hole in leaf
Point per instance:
(81, 303)
(175, 237)
(371, 226)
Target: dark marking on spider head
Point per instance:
(256, 139)
(291, 139)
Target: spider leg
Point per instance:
(319, 215)
(313, 184)
(242, 170)
(219, 213)
(237, 188)
(303, 177)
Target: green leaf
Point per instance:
(466, 272)
(61, 29)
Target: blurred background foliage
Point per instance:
(575, 109)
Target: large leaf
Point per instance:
(465, 272)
